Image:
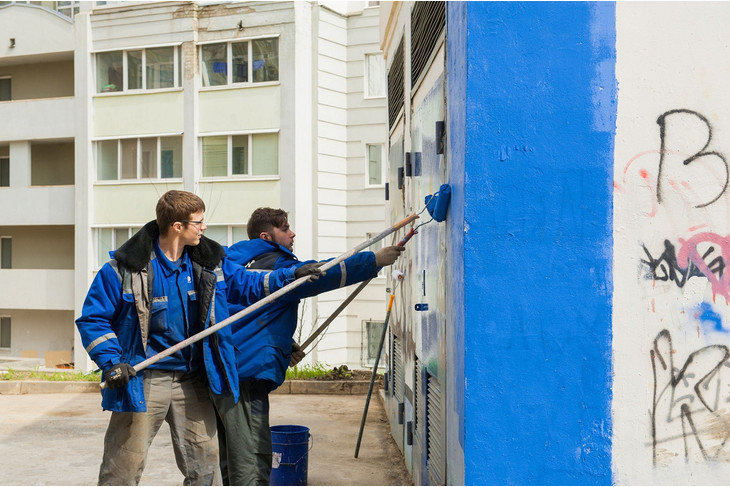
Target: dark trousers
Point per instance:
(244, 435)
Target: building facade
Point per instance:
(568, 323)
(107, 105)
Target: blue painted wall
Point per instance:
(532, 168)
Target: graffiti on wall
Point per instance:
(689, 416)
(685, 179)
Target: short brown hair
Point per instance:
(264, 220)
(175, 206)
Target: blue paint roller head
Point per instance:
(438, 203)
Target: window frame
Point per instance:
(4, 161)
(10, 81)
(2, 244)
(131, 230)
(229, 232)
(138, 179)
(10, 332)
(177, 70)
(229, 157)
(229, 63)
(366, 77)
(382, 165)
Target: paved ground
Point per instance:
(56, 439)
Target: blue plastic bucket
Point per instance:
(290, 448)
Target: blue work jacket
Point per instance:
(115, 320)
(263, 339)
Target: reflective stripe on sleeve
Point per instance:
(267, 291)
(99, 340)
(343, 269)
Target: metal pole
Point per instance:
(268, 299)
(375, 372)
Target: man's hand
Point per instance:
(118, 375)
(388, 255)
(297, 354)
(312, 270)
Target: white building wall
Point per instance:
(670, 391)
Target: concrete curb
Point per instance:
(347, 387)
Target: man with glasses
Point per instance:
(165, 284)
(264, 341)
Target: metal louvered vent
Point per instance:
(436, 461)
(419, 405)
(395, 85)
(428, 20)
(398, 377)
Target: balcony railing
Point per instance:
(47, 118)
(38, 205)
(42, 289)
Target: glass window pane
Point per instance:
(238, 234)
(375, 73)
(215, 159)
(5, 332)
(149, 158)
(106, 160)
(121, 235)
(5, 92)
(160, 67)
(265, 154)
(171, 157)
(134, 70)
(375, 165)
(239, 55)
(104, 245)
(4, 172)
(219, 233)
(215, 64)
(129, 159)
(6, 253)
(239, 162)
(265, 54)
(109, 72)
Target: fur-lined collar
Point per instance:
(135, 253)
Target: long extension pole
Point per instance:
(349, 299)
(268, 299)
(375, 371)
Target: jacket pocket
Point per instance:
(158, 318)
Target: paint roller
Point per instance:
(437, 204)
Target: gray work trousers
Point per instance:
(183, 401)
(244, 435)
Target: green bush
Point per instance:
(307, 371)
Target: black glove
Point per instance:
(119, 375)
(312, 270)
(297, 354)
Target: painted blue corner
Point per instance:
(538, 105)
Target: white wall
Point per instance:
(671, 337)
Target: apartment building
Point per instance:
(104, 106)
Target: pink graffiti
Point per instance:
(689, 253)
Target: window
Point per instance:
(6, 253)
(253, 61)
(109, 239)
(4, 172)
(226, 234)
(375, 164)
(5, 332)
(5, 91)
(373, 331)
(138, 69)
(374, 76)
(139, 158)
(241, 155)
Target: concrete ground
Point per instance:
(57, 439)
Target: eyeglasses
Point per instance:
(196, 223)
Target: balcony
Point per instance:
(36, 289)
(47, 118)
(38, 205)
